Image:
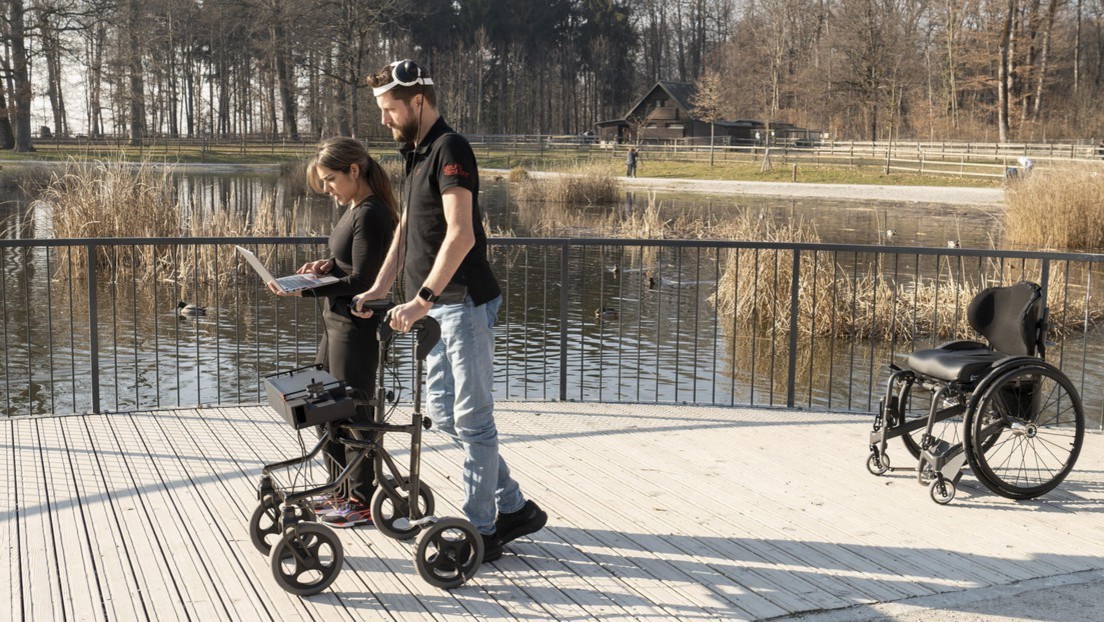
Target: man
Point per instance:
(630, 162)
(442, 248)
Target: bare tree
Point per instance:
(707, 105)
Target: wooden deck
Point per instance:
(656, 513)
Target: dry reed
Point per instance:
(111, 199)
(1060, 208)
(580, 187)
(834, 302)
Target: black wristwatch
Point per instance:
(427, 295)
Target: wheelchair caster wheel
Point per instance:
(392, 516)
(877, 465)
(449, 553)
(264, 526)
(942, 490)
(924, 472)
(306, 559)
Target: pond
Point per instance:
(666, 342)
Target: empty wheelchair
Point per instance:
(999, 407)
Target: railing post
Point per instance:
(791, 382)
(563, 322)
(93, 331)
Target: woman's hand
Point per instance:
(359, 299)
(322, 266)
(279, 292)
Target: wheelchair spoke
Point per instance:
(1027, 432)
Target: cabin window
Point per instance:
(674, 126)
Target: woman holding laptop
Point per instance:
(358, 244)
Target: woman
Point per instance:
(358, 244)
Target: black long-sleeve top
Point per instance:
(359, 244)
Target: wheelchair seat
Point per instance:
(1012, 320)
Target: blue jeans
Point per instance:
(459, 381)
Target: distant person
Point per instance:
(630, 162)
(1025, 165)
(349, 348)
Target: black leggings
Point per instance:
(350, 351)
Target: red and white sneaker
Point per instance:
(351, 513)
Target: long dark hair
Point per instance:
(340, 154)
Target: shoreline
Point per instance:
(948, 195)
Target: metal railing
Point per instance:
(92, 326)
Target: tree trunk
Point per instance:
(1044, 55)
(21, 81)
(285, 74)
(1004, 77)
(137, 75)
(7, 138)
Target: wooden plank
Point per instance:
(656, 512)
(11, 566)
(42, 595)
(77, 568)
(172, 524)
(122, 598)
(228, 508)
(162, 591)
(600, 508)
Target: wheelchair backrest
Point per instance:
(1010, 318)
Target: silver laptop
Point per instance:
(287, 284)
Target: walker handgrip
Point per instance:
(383, 304)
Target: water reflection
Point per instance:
(667, 342)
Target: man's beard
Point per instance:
(405, 133)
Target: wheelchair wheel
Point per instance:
(392, 516)
(1024, 434)
(449, 553)
(877, 465)
(916, 405)
(306, 559)
(264, 525)
(942, 490)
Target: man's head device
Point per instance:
(403, 73)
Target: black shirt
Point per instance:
(443, 160)
(359, 243)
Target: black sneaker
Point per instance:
(492, 547)
(528, 519)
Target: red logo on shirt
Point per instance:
(455, 170)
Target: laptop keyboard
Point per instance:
(297, 281)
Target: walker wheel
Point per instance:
(306, 559)
(449, 553)
(942, 490)
(264, 526)
(391, 516)
(877, 465)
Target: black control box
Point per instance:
(308, 396)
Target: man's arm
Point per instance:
(459, 240)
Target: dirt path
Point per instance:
(924, 194)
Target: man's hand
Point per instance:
(404, 315)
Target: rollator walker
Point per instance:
(307, 556)
(999, 407)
